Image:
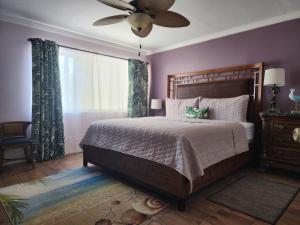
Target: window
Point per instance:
(92, 83)
(94, 87)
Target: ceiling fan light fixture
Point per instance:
(139, 21)
(143, 14)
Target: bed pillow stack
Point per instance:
(229, 109)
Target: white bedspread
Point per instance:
(188, 146)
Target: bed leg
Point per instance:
(181, 204)
(85, 163)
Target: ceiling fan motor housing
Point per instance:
(139, 21)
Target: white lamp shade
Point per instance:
(274, 76)
(156, 104)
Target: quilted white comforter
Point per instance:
(188, 146)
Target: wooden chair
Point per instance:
(13, 135)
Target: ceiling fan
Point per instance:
(143, 14)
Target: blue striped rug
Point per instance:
(83, 196)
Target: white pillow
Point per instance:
(175, 108)
(229, 109)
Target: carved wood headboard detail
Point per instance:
(221, 83)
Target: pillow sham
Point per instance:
(175, 108)
(229, 109)
(192, 112)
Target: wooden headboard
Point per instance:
(221, 83)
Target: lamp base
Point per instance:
(274, 110)
(274, 90)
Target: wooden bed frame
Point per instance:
(216, 83)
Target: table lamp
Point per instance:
(274, 78)
(156, 104)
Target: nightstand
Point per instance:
(278, 146)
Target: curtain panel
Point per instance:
(47, 118)
(94, 87)
(137, 88)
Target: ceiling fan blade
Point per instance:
(110, 20)
(171, 19)
(155, 6)
(144, 32)
(118, 4)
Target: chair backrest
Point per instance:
(14, 129)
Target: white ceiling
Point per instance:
(209, 19)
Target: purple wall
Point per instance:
(277, 45)
(15, 65)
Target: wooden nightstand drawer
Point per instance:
(284, 154)
(284, 140)
(284, 127)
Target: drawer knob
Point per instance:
(296, 135)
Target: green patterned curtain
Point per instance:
(47, 118)
(138, 88)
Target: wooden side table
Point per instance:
(279, 149)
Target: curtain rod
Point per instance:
(82, 50)
(97, 53)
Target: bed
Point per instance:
(176, 181)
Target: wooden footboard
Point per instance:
(158, 177)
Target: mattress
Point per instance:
(250, 130)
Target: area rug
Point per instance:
(83, 197)
(256, 196)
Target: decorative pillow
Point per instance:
(175, 108)
(192, 112)
(230, 109)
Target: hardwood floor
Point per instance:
(14, 174)
(199, 211)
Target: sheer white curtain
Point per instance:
(94, 87)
